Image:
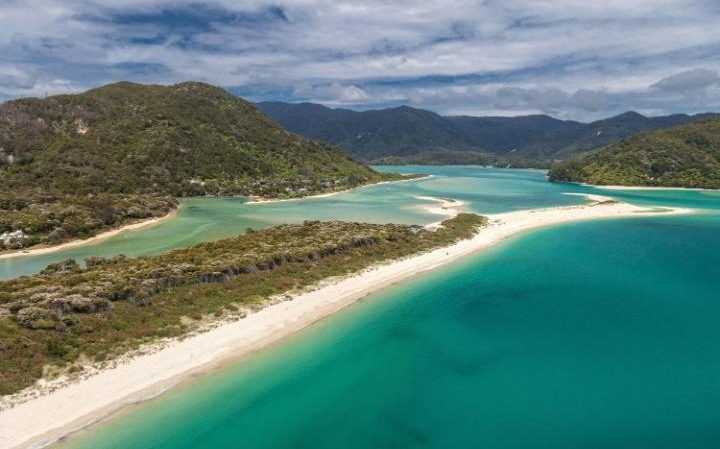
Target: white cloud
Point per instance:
(565, 57)
(333, 93)
(690, 81)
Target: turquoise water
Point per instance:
(595, 335)
(201, 219)
(484, 190)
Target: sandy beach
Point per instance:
(102, 236)
(447, 207)
(328, 194)
(44, 419)
(651, 188)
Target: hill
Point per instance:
(77, 163)
(682, 156)
(409, 135)
(370, 134)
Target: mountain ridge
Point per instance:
(390, 134)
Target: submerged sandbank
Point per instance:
(72, 406)
(447, 207)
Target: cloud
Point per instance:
(568, 58)
(590, 100)
(551, 100)
(333, 93)
(691, 81)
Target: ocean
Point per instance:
(598, 334)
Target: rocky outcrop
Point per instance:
(6, 157)
(12, 238)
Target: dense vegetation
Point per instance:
(454, 157)
(26, 220)
(409, 135)
(684, 156)
(66, 315)
(73, 164)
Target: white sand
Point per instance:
(651, 188)
(260, 200)
(95, 239)
(44, 419)
(447, 207)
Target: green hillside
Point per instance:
(77, 163)
(683, 156)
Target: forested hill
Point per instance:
(73, 164)
(189, 138)
(682, 156)
(415, 135)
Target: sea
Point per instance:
(599, 334)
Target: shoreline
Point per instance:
(448, 208)
(94, 239)
(618, 187)
(259, 200)
(42, 420)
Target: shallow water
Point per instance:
(600, 334)
(201, 219)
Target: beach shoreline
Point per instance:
(48, 249)
(260, 200)
(39, 250)
(617, 187)
(43, 420)
(448, 208)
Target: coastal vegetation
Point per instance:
(72, 165)
(52, 219)
(683, 156)
(68, 316)
(453, 157)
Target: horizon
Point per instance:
(486, 116)
(350, 108)
(510, 58)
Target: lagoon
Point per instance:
(600, 334)
(203, 219)
(596, 334)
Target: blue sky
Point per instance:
(568, 58)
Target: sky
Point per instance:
(572, 59)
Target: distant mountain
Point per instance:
(370, 134)
(682, 156)
(73, 164)
(607, 131)
(442, 157)
(401, 134)
(532, 135)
